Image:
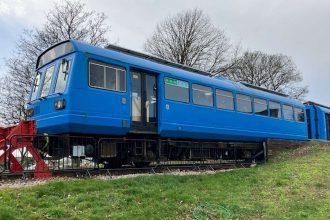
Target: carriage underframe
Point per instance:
(22, 149)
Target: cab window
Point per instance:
(48, 79)
(35, 86)
(62, 76)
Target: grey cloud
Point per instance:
(298, 28)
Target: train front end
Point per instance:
(48, 100)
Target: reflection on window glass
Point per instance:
(287, 112)
(96, 76)
(224, 99)
(121, 80)
(47, 81)
(299, 114)
(176, 90)
(35, 86)
(244, 103)
(202, 95)
(62, 77)
(260, 106)
(275, 109)
(110, 78)
(105, 76)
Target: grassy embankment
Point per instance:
(296, 185)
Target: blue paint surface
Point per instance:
(318, 121)
(102, 112)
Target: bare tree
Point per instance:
(67, 20)
(189, 38)
(276, 72)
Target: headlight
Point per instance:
(59, 104)
(30, 112)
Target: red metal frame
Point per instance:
(11, 133)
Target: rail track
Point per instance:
(86, 173)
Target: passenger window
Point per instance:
(35, 86)
(176, 90)
(62, 77)
(224, 99)
(110, 79)
(47, 81)
(244, 103)
(105, 76)
(275, 109)
(287, 112)
(299, 114)
(96, 75)
(202, 95)
(260, 107)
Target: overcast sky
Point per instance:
(297, 28)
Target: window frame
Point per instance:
(192, 94)
(267, 105)
(236, 103)
(170, 77)
(107, 64)
(225, 90)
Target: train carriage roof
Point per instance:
(154, 64)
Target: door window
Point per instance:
(136, 97)
(151, 98)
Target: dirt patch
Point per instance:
(30, 182)
(35, 182)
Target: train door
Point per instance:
(327, 122)
(144, 102)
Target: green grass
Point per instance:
(294, 186)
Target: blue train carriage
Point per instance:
(86, 90)
(318, 120)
